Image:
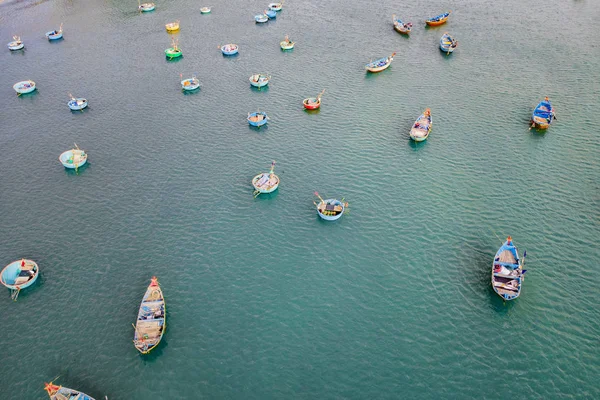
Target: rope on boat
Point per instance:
(15, 293)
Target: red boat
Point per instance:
(312, 103)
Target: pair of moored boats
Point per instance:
(18, 44)
(270, 13)
(406, 27)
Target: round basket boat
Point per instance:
(259, 80)
(173, 52)
(312, 103)
(261, 18)
(287, 44)
(266, 182)
(190, 84)
(16, 44)
(24, 87)
(331, 209)
(145, 7)
(275, 6)
(172, 26)
(55, 35)
(19, 274)
(205, 10)
(229, 49)
(74, 158)
(258, 118)
(77, 104)
(271, 14)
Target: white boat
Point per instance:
(16, 44)
(190, 84)
(205, 10)
(74, 158)
(145, 7)
(77, 104)
(24, 87)
(266, 182)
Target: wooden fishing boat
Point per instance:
(261, 18)
(507, 271)
(447, 43)
(422, 127)
(55, 34)
(24, 87)
(401, 27)
(77, 104)
(266, 182)
(286, 44)
(330, 209)
(152, 319)
(74, 158)
(19, 275)
(174, 51)
(543, 115)
(229, 49)
(271, 14)
(62, 393)
(145, 7)
(172, 26)
(189, 84)
(312, 103)
(259, 80)
(258, 118)
(16, 44)
(205, 10)
(276, 6)
(381, 64)
(438, 20)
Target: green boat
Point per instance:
(173, 52)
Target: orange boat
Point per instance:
(312, 103)
(439, 20)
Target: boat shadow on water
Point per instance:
(174, 59)
(267, 196)
(416, 145)
(316, 111)
(259, 90)
(72, 171)
(156, 352)
(259, 129)
(191, 92)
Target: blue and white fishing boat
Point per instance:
(189, 84)
(258, 118)
(381, 64)
(259, 80)
(261, 18)
(229, 49)
(62, 393)
(77, 104)
(422, 127)
(543, 115)
(276, 6)
(19, 275)
(266, 182)
(16, 44)
(271, 14)
(74, 158)
(330, 209)
(401, 27)
(447, 43)
(152, 319)
(507, 271)
(145, 7)
(24, 87)
(56, 34)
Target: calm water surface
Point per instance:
(264, 300)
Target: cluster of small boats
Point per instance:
(269, 13)
(18, 44)
(447, 43)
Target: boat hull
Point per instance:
(205, 11)
(286, 46)
(66, 393)
(436, 23)
(66, 159)
(24, 87)
(334, 202)
(170, 53)
(229, 51)
(54, 36)
(261, 19)
(275, 6)
(378, 69)
(152, 319)
(12, 274)
(16, 46)
(258, 123)
(311, 103)
(401, 30)
(543, 115)
(77, 104)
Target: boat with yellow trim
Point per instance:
(172, 26)
(152, 319)
(438, 20)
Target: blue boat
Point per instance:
(229, 49)
(271, 14)
(543, 115)
(259, 80)
(77, 104)
(507, 271)
(330, 209)
(19, 275)
(258, 118)
(62, 393)
(447, 43)
(261, 18)
(265, 182)
(74, 158)
(55, 34)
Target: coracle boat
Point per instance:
(422, 127)
(19, 275)
(507, 271)
(172, 26)
(174, 51)
(55, 34)
(16, 44)
(74, 158)
(266, 182)
(381, 64)
(330, 209)
(401, 27)
(271, 14)
(447, 43)
(438, 20)
(276, 6)
(62, 393)
(312, 103)
(205, 10)
(189, 84)
(151, 320)
(543, 115)
(261, 18)
(24, 87)
(258, 118)
(229, 49)
(77, 104)
(145, 7)
(259, 80)
(286, 44)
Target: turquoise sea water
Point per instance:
(264, 300)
